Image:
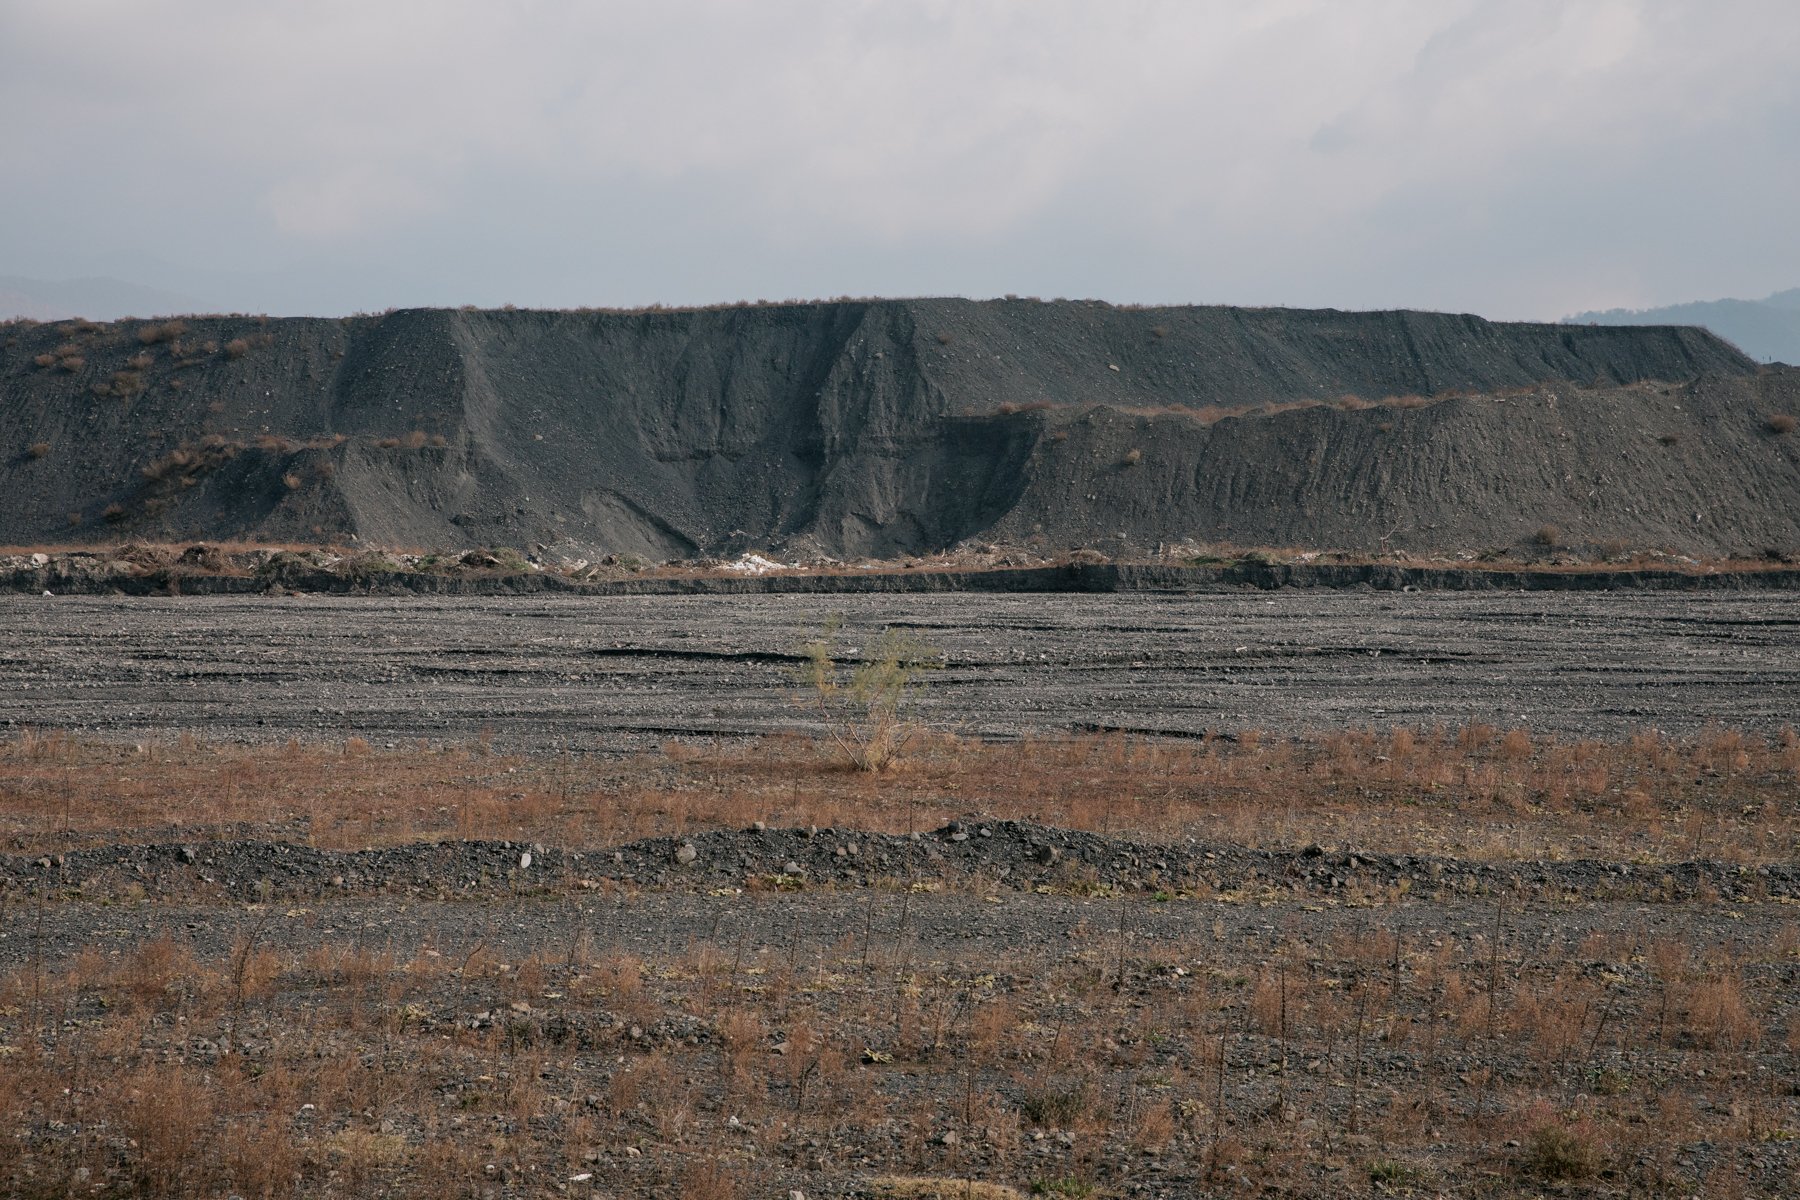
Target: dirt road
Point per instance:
(552, 674)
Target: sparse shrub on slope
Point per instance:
(163, 331)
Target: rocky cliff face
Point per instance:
(890, 428)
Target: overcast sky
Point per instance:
(1516, 158)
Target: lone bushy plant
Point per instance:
(863, 707)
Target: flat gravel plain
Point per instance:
(619, 673)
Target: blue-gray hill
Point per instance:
(1768, 330)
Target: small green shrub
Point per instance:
(863, 707)
(1057, 1106)
(1388, 1172)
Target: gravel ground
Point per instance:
(1516, 1010)
(1292, 1123)
(946, 927)
(615, 674)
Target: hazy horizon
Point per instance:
(1513, 158)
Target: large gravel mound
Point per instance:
(894, 427)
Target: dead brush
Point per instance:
(742, 1034)
(710, 1178)
(152, 977)
(168, 1111)
(1719, 1014)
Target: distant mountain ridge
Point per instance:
(1768, 330)
(98, 298)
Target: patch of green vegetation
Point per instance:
(1392, 1173)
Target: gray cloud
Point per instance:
(1512, 157)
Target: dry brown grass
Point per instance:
(160, 331)
(350, 1070)
(1473, 792)
(1781, 423)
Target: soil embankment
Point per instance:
(895, 427)
(202, 570)
(1010, 855)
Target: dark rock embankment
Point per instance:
(894, 428)
(971, 852)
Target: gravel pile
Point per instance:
(970, 852)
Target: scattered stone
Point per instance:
(525, 861)
(187, 854)
(686, 853)
(792, 868)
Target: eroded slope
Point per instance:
(893, 427)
